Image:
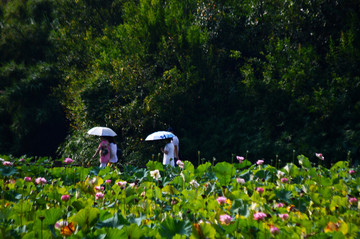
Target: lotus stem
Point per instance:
(41, 228)
(198, 158)
(293, 156)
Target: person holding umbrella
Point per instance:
(104, 151)
(104, 148)
(168, 152)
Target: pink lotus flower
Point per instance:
(319, 156)
(99, 196)
(284, 216)
(22, 160)
(121, 184)
(225, 219)
(351, 171)
(180, 163)
(108, 181)
(65, 197)
(259, 216)
(260, 190)
(240, 158)
(68, 161)
(259, 162)
(280, 204)
(221, 200)
(7, 163)
(40, 180)
(99, 188)
(353, 201)
(27, 179)
(284, 180)
(240, 180)
(274, 230)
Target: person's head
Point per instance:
(170, 129)
(111, 140)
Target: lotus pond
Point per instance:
(213, 200)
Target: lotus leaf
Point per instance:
(304, 161)
(171, 227)
(224, 172)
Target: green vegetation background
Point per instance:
(267, 77)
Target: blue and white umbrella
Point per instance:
(159, 135)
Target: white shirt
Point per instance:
(169, 157)
(113, 148)
(175, 141)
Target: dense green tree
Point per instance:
(32, 119)
(257, 78)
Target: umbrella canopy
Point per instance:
(159, 135)
(102, 131)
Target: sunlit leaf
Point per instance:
(170, 227)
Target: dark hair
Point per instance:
(170, 129)
(109, 138)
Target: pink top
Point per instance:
(104, 157)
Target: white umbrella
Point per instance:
(159, 135)
(102, 131)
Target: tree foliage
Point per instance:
(261, 78)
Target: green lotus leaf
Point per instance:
(117, 221)
(301, 203)
(140, 174)
(203, 230)
(189, 167)
(244, 164)
(292, 170)
(190, 195)
(170, 189)
(82, 203)
(188, 175)
(171, 227)
(326, 192)
(240, 208)
(22, 207)
(113, 233)
(37, 234)
(304, 161)
(153, 165)
(136, 220)
(133, 231)
(224, 172)
(341, 165)
(263, 174)
(246, 175)
(202, 169)
(316, 198)
(337, 202)
(52, 216)
(284, 195)
(239, 194)
(7, 171)
(86, 217)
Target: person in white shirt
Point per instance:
(113, 148)
(168, 152)
(175, 141)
